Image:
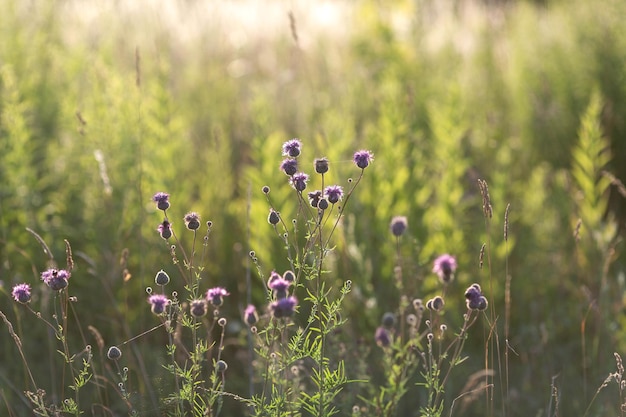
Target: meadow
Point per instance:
(147, 201)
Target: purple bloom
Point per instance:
(56, 279)
(284, 307)
(299, 180)
(363, 158)
(314, 198)
(165, 229)
(321, 165)
(398, 225)
(250, 315)
(444, 266)
(292, 148)
(334, 193)
(382, 337)
(192, 220)
(198, 308)
(474, 298)
(21, 293)
(162, 200)
(215, 296)
(158, 303)
(289, 166)
(279, 286)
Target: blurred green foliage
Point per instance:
(102, 106)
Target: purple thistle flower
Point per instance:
(165, 229)
(215, 296)
(162, 200)
(198, 308)
(250, 315)
(398, 225)
(314, 198)
(279, 286)
(475, 300)
(444, 266)
(21, 293)
(292, 148)
(273, 277)
(56, 279)
(192, 220)
(321, 165)
(289, 166)
(382, 337)
(158, 303)
(334, 193)
(363, 158)
(299, 180)
(284, 307)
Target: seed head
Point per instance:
(162, 278)
(273, 218)
(114, 353)
(435, 304)
(321, 165)
(221, 366)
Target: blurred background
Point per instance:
(102, 104)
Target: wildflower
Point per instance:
(162, 200)
(55, 279)
(279, 286)
(398, 225)
(321, 165)
(474, 299)
(192, 221)
(334, 193)
(162, 278)
(250, 315)
(158, 303)
(289, 166)
(289, 276)
(323, 204)
(444, 266)
(389, 320)
(435, 304)
(221, 366)
(314, 198)
(363, 158)
(292, 148)
(273, 277)
(382, 337)
(114, 353)
(299, 180)
(198, 308)
(273, 218)
(284, 307)
(165, 229)
(21, 293)
(215, 296)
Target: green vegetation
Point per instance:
(101, 106)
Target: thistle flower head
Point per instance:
(162, 200)
(363, 158)
(444, 266)
(21, 293)
(158, 303)
(382, 337)
(436, 303)
(314, 198)
(215, 296)
(299, 180)
(250, 315)
(273, 218)
(292, 148)
(165, 229)
(284, 307)
(279, 286)
(398, 225)
(192, 221)
(56, 279)
(334, 193)
(474, 299)
(321, 165)
(114, 353)
(161, 278)
(198, 308)
(289, 166)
